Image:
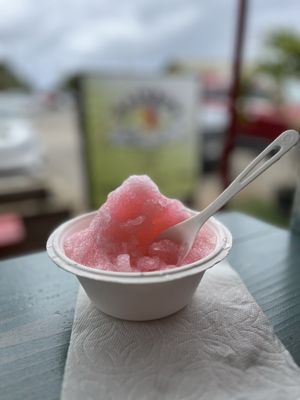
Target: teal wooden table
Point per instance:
(37, 303)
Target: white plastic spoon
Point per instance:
(185, 232)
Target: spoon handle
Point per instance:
(263, 161)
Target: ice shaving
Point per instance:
(121, 237)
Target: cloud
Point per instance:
(45, 41)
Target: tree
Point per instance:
(8, 80)
(282, 58)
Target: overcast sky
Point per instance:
(45, 40)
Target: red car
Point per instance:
(260, 119)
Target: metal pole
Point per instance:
(234, 89)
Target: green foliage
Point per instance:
(8, 80)
(282, 58)
(287, 45)
(174, 67)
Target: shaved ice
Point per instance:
(121, 237)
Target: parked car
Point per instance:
(260, 118)
(213, 119)
(20, 151)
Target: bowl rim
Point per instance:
(58, 256)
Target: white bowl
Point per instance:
(137, 296)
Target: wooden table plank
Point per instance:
(272, 274)
(36, 313)
(243, 227)
(37, 303)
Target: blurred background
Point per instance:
(186, 92)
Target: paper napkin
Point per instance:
(221, 346)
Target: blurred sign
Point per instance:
(140, 125)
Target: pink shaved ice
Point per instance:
(121, 237)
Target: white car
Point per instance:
(213, 120)
(20, 151)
